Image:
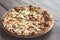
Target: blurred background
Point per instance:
(53, 6)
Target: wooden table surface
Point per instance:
(52, 5)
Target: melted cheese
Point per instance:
(25, 12)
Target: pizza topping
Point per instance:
(20, 19)
(10, 21)
(30, 17)
(30, 27)
(41, 23)
(46, 18)
(45, 13)
(37, 17)
(16, 9)
(46, 24)
(25, 12)
(30, 7)
(22, 16)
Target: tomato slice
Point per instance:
(9, 21)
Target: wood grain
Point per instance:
(51, 5)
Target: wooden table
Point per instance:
(52, 5)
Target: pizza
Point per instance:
(27, 21)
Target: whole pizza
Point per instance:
(27, 21)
